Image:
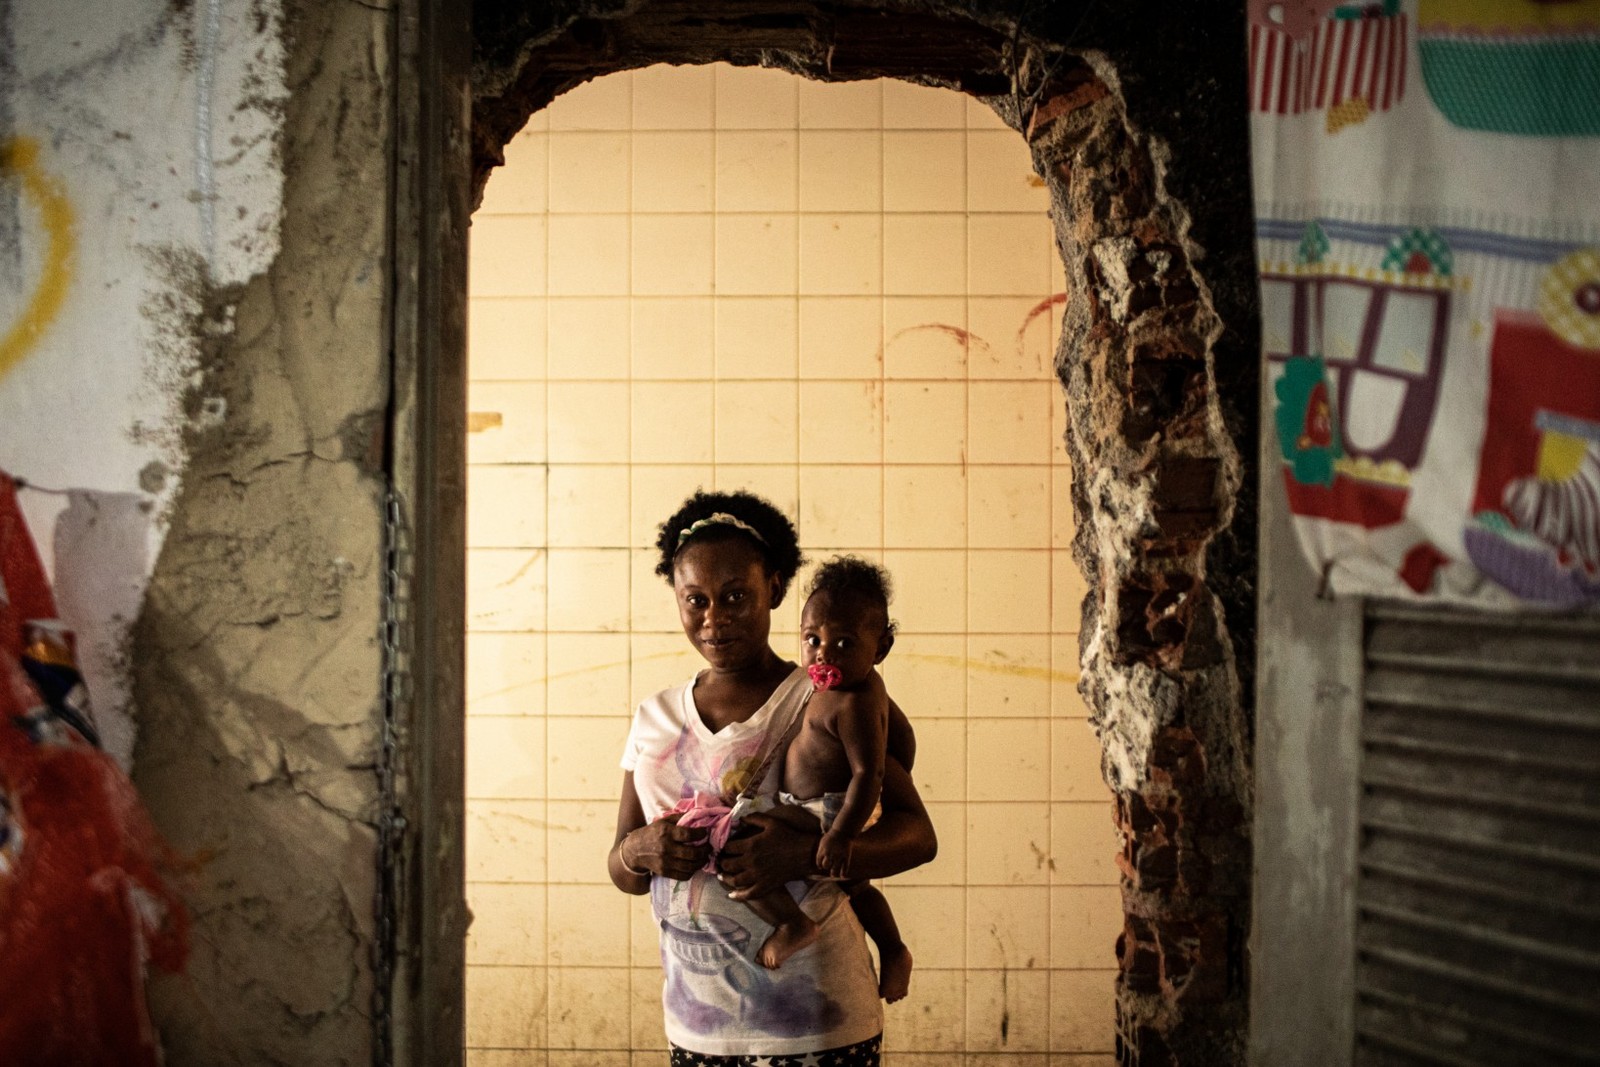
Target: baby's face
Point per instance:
(845, 633)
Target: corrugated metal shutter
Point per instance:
(1478, 899)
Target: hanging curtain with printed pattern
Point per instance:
(1428, 232)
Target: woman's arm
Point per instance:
(902, 743)
(642, 849)
(901, 839)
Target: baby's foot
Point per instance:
(894, 978)
(785, 941)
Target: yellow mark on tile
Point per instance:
(1013, 670)
(506, 690)
(19, 156)
(479, 421)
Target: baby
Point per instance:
(833, 770)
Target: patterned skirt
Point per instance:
(862, 1054)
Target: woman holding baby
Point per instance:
(697, 828)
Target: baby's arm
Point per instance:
(860, 723)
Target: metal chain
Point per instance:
(396, 595)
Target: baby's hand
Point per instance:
(833, 855)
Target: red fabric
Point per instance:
(84, 902)
(26, 593)
(1531, 369)
(1368, 504)
(1420, 565)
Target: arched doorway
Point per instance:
(1158, 362)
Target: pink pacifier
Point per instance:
(824, 676)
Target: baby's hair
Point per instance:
(755, 520)
(844, 576)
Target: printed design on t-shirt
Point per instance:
(703, 934)
(709, 943)
(724, 773)
(770, 1002)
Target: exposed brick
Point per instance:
(1157, 868)
(1132, 814)
(1139, 956)
(1133, 198)
(1195, 966)
(1150, 232)
(1166, 399)
(1063, 98)
(1176, 753)
(1143, 1046)
(1156, 611)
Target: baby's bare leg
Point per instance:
(792, 929)
(894, 959)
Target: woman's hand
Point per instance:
(665, 848)
(776, 852)
(642, 848)
(768, 854)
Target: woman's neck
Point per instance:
(733, 695)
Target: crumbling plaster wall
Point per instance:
(257, 657)
(1136, 117)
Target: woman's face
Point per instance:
(725, 600)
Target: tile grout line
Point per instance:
(716, 295)
(544, 636)
(799, 431)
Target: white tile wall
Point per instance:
(838, 296)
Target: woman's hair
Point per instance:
(755, 521)
(852, 576)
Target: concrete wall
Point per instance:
(258, 658)
(1308, 701)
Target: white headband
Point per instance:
(720, 518)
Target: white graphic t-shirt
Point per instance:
(718, 999)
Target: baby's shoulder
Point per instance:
(869, 695)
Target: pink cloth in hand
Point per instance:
(706, 811)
